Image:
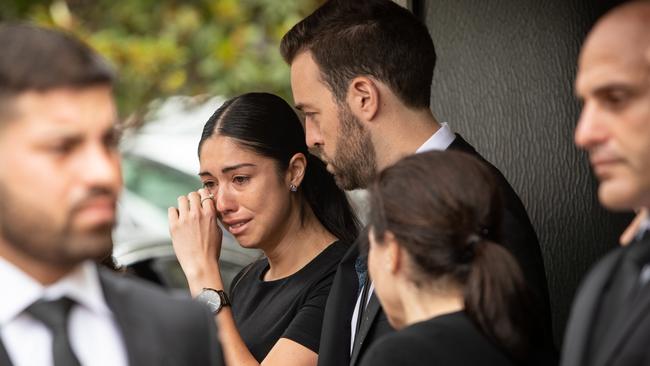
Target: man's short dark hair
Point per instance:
(35, 58)
(376, 38)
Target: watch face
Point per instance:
(210, 298)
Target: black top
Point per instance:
(450, 339)
(291, 307)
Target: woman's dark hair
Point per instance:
(444, 209)
(267, 125)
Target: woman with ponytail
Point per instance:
(456, 296)
(270, 193)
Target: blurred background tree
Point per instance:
(167, 47)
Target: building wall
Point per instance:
(504, 80)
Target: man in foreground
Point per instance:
(59, 182)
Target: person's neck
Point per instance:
(42, 272)
(422, 304)
(299, 243)
(402, 133)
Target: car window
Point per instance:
(155, 182)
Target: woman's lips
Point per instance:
(236, 227)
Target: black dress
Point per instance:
(449, 339)
(291, 307)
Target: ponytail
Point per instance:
(328, 202)
(451, 229)
(498, 301)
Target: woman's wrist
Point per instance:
(199, 269)
(206, 278)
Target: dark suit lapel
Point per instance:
(621, 330)
(619, 334)
(335, 335)
(369, 315)
(584, 309)
(136, 333)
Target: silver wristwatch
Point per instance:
(214, 299)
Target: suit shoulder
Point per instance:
(445, 340)
(418, 338)
(393, 349)
(130, 289)
(184, 329)
(599, 271)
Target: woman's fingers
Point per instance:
(172, 214)
(183, 207)
(207, 201)
(195, 202)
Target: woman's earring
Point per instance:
(293, 188)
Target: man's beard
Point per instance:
(355, 160)
(30, 231)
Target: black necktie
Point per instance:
(54, 315)
(361, 267)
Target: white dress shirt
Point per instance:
(643, 227)
(94, 335)
(440, 140)
(644, 276)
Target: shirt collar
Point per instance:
(644, 227)
(440, 140)
(83, 286)
(20, 290)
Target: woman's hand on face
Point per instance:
(196, 236)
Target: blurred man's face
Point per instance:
(614, 127)
(59, 176)
(332, 131)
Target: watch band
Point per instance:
(225, 300)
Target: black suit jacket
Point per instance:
(518, 236)
(626, 343)
(156, 328)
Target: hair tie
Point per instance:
(469, 251)
(472, 240)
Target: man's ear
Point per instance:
(296, 170)
(363, 98)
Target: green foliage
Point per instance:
(167, 47)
